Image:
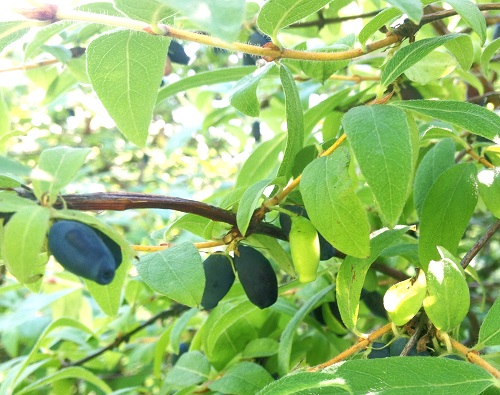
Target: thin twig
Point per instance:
(480, 244)
(174, 311)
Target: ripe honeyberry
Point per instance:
(79, 249)
(379, 350)
(219, 277)
(256, 276)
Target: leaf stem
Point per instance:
(200, 245)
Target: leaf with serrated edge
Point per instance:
(125, 69)
(277, 14)
(352, 273)
(382, 144)
(332, 204)
(56, 168)
(446, 211)
(176, 272)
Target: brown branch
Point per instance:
(324, 21)
(447, 13)
(480, 244)
(174, 311)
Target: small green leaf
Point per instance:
(262, 347)
(375, 23)
(205, 78)
(271, 248)
(222, 19)
(434, 66)
(412, 8)
(381, 140)
(42, 36)
(249, 202)
(404, 299)
(294, 121)
(125, 69)
(244, 378)
(56, 168)
(74, 372)
(10, 202)
(243, 96)
(490, 50)
(176, 272)
(446, 211)
(489, 189)
(411, 54)
(277, 14)
(447, 301)
(471, 15)
(438, 159)
(489, 333)
(332, 204)
(23, 241)
(352, 273)
(321, 71)
(474, 118)
(178, 329)
(463, 50)
(12, 31)
(286, 339)
(191, 368)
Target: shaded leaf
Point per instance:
(248, 203)
(489, 189)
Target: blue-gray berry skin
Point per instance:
(79, 249)
(379, 350)
(256, 276)
(219, 278)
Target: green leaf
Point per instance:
(375, 23)
(12, 31)
(381, 140)
(4, 117)
(416, 376)
(314, 114)
(74, 372)
(463, 50)
(490, 50)
(294, 121)
(474, 118)
(262, 347)
(7, 183)
(321, 71)
(191, 368)
(24, 236)
(438, 159)
(286, 339)
(248, 203)
(125, 69)
(471, 15)
(411, 54)
(332, 204)
(412, 8)
(42, 36)
(243, 96)
(179, 327)
(448, 299)
(434, 66)
(10, 201)
(56, 168)
(277, 14)
(489, 189)
(262, 162)
(149, 11)
(352, 273)
(176, 272)
(271, 248)
(489, 333)
(404, 299)
(446, 211)
(244, 378)
(222, 19)
(205, 78)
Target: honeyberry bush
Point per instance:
(178, 129)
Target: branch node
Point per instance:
(46, 12)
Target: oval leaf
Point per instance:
(489, 188)
(125, 69)
(248, 203)
(332, 204)
(448, 297)
(489, 333)
(176, 272)
(381, 140)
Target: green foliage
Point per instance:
(384, 133)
